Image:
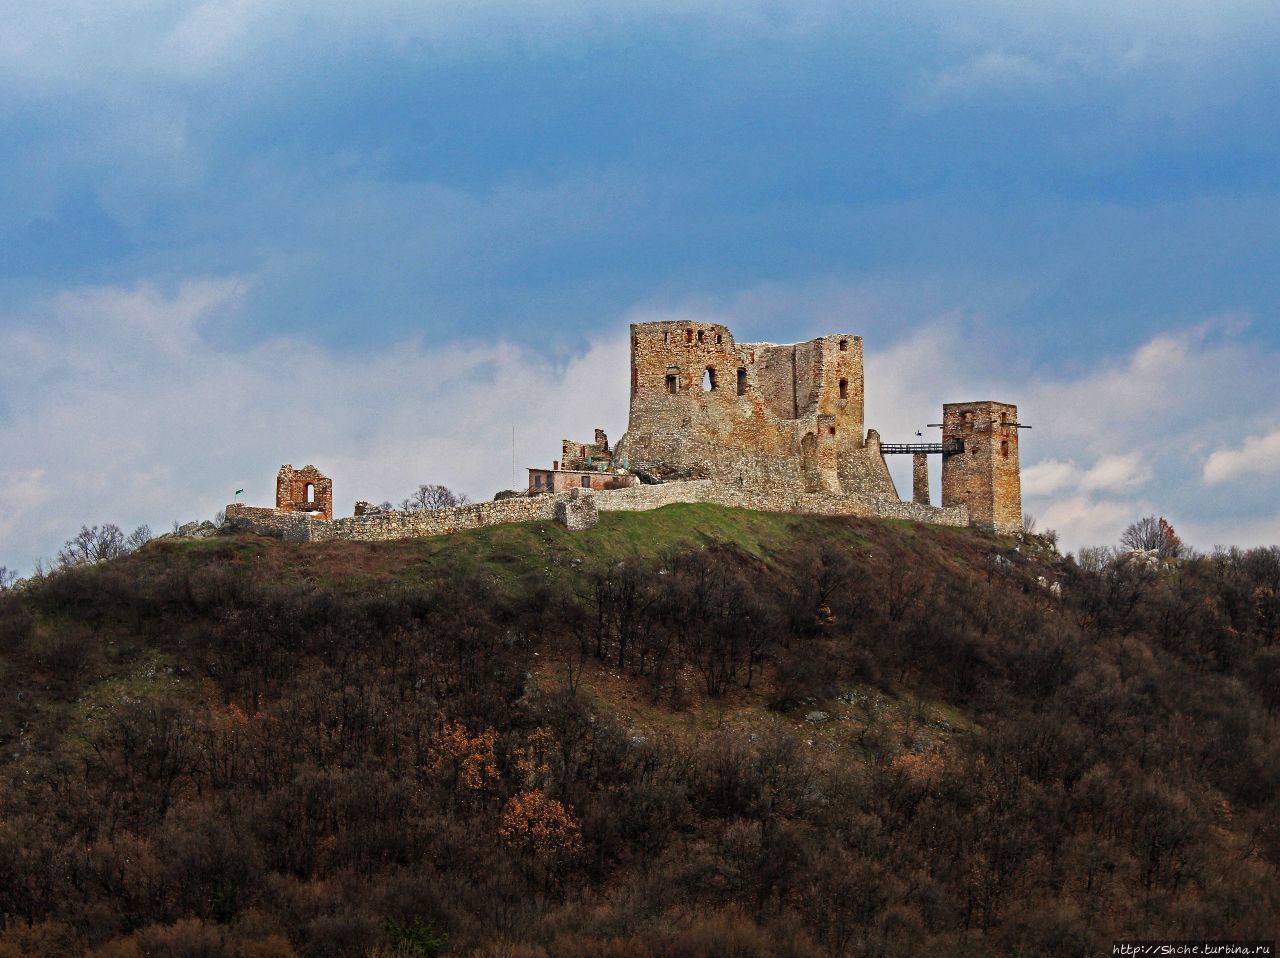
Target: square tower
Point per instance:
(304, 490)
(980, 468)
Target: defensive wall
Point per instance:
(575, 509)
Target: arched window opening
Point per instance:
(1004, 448)
(742, 382)
(311, 494)
(844, 389)
(672, 385)
(666, 338)
(701, 333)
(719, 339)
(709, 380)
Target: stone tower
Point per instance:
(304, 490)
(982, 472)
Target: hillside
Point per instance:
(697, 732)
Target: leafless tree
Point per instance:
(92, 545)
(7, 578)
(1153, 535)
(429, 497)
(98, 544)
(1094, 558)
(1028, 523)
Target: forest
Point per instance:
(694, 733)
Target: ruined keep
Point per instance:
(703, 405)
(304, 490)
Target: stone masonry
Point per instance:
(576, 509)
(920, 478)
(983, 472)
(304, 490)
(703, 405)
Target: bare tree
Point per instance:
(1094, 558)
(94, 544)
(7, 578)
(1028, 523)
(429, 497)
(1153, 535)
(139, 537)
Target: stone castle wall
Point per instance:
(576, 509)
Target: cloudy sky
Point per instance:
(380, 236)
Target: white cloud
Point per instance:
(1108, 474)
(1085, 520)
(1047, 477)
(1259, 455)
(121, 409)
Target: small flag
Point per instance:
(238, 491)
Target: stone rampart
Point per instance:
(577, 509)
(290, 526)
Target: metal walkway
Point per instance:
(910, 448)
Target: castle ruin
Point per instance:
(757, 425)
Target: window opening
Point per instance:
(844, 389)
(709, 380)
(311, 494)
(844, 345)
(742, 382)
(671, 384)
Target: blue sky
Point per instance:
(377, 236)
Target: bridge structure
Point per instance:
(922, 448)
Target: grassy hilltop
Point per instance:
(696, 732)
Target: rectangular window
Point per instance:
(671, 384)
